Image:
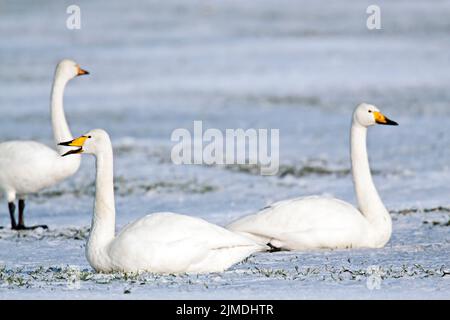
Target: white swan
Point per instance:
(161, 242)
(315, 222)
(27, 166)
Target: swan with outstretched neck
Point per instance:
(28, 167)
(160, 242)
(317, 222)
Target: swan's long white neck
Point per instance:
(61, 131)
(103, 221)
(369, 201)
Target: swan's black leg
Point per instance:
(21, 210)
(21, 225)
(12, 209)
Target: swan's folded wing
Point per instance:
(167, 242)
(296, 216)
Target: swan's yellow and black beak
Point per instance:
(81, 71)
(78, 142)
(382, 119)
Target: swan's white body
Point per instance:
(28, 166)
(171, 243)
(311, 223)
(316, 222)
(161, 242)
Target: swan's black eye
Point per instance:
(89, 137)
(370, 111)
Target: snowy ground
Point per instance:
(294, 65)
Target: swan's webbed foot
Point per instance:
(21, 224)
(23, 227)
(272, 248)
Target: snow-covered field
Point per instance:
(300, 66)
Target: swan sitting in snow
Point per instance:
(160, 242)
(317, 222)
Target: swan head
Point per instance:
(92, 142)
(368, 115)
(69, 69)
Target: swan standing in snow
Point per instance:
(316, 222)
(161, 242)
(27, 166)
